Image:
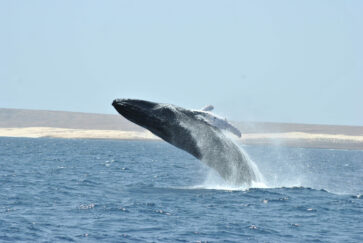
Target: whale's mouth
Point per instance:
(117, 102)
(140, 112)
(123, 107)
(131, 107)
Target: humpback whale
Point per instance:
(193, 131)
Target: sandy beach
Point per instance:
(63, 124)
(307, 140)
(297, 139)
(41, 132)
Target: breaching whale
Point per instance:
(193, 131)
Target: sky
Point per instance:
(273, 61)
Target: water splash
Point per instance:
(221, 153)
(260, 180)
(214, 180)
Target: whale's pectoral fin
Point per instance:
(220, 123)
(234, 130)
(208, 108)
(226, 126)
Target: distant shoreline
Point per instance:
(54, 132)
(293, 139)
(23, 118)
(63, 124)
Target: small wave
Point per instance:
(214, 182)
(258, 186)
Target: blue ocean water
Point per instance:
(59, 190)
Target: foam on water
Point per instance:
(214, 181)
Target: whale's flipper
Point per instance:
(221, 123)
(208, 108)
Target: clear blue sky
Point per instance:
(283, 61)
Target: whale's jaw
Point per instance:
(137, 111)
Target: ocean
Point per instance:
(78, 190)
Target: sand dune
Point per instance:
(297, 139)
(305, 136)
(39, 132)
(302, 139)
(62, 124)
